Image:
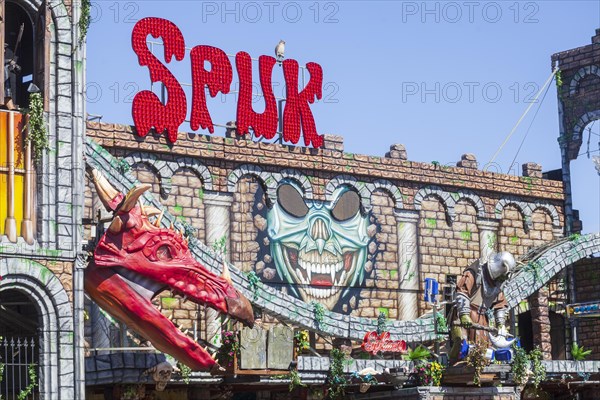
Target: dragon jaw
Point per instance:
(135, 260)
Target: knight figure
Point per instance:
(480, 301)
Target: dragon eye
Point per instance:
(291, 201)
(347, 206)
(163, 253)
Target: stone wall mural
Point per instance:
(356, 234)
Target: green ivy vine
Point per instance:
(38, 134)
(538, 369)
(220, 245)
(336, 380)
(84, 20)
(442, 324)
(559, 81)
(123, 166)
(318, 312)
(529, 365)
(381, 323)
(185, 372)
(254, 282)
(476, 359)
(23, 394)
(295, 381)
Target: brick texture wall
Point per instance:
(448, 231)
(587, 278)
(579, 91)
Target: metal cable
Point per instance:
(524, 114)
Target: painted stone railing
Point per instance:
(547, 264)
(273, 302)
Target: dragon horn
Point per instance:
(133, 196)
(225, 275)
(108, 195)
(116, 225)
(151, 211)
(157, 222)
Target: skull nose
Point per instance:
(319, 230)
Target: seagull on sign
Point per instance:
(279, 50)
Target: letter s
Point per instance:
(147, 110)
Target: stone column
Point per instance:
(217, 211)
(488, 237)
(78, 322)
(540, 319)
(408, 264)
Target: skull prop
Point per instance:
(161, 374)
(320, 249)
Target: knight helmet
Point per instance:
(500, 264)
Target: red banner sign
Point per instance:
(149, 112)
(374, 343)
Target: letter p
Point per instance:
(409, 8)
(209, 8)
(409, 89)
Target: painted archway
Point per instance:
(44, 290)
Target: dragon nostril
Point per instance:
(319, 230)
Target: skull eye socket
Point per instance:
(163, 253)
(347, 206)
(291, 201)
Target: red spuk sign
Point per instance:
(149, 112)
(374, 343)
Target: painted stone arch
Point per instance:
(389, 188)
(471, 198)
(449, 200)
(349, 181)
(438, 193)
(266, 179)
(300, 179)
(582, 73)
(527, 209)
(550, 209)
(582, 122)
(56, 320)
(165, 169)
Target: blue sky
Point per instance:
(442, 78)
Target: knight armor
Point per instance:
(500, 264)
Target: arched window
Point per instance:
(24, 57)
(19, 342)
(18, 55)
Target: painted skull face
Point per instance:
(320, 249)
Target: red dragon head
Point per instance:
(136, 259)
